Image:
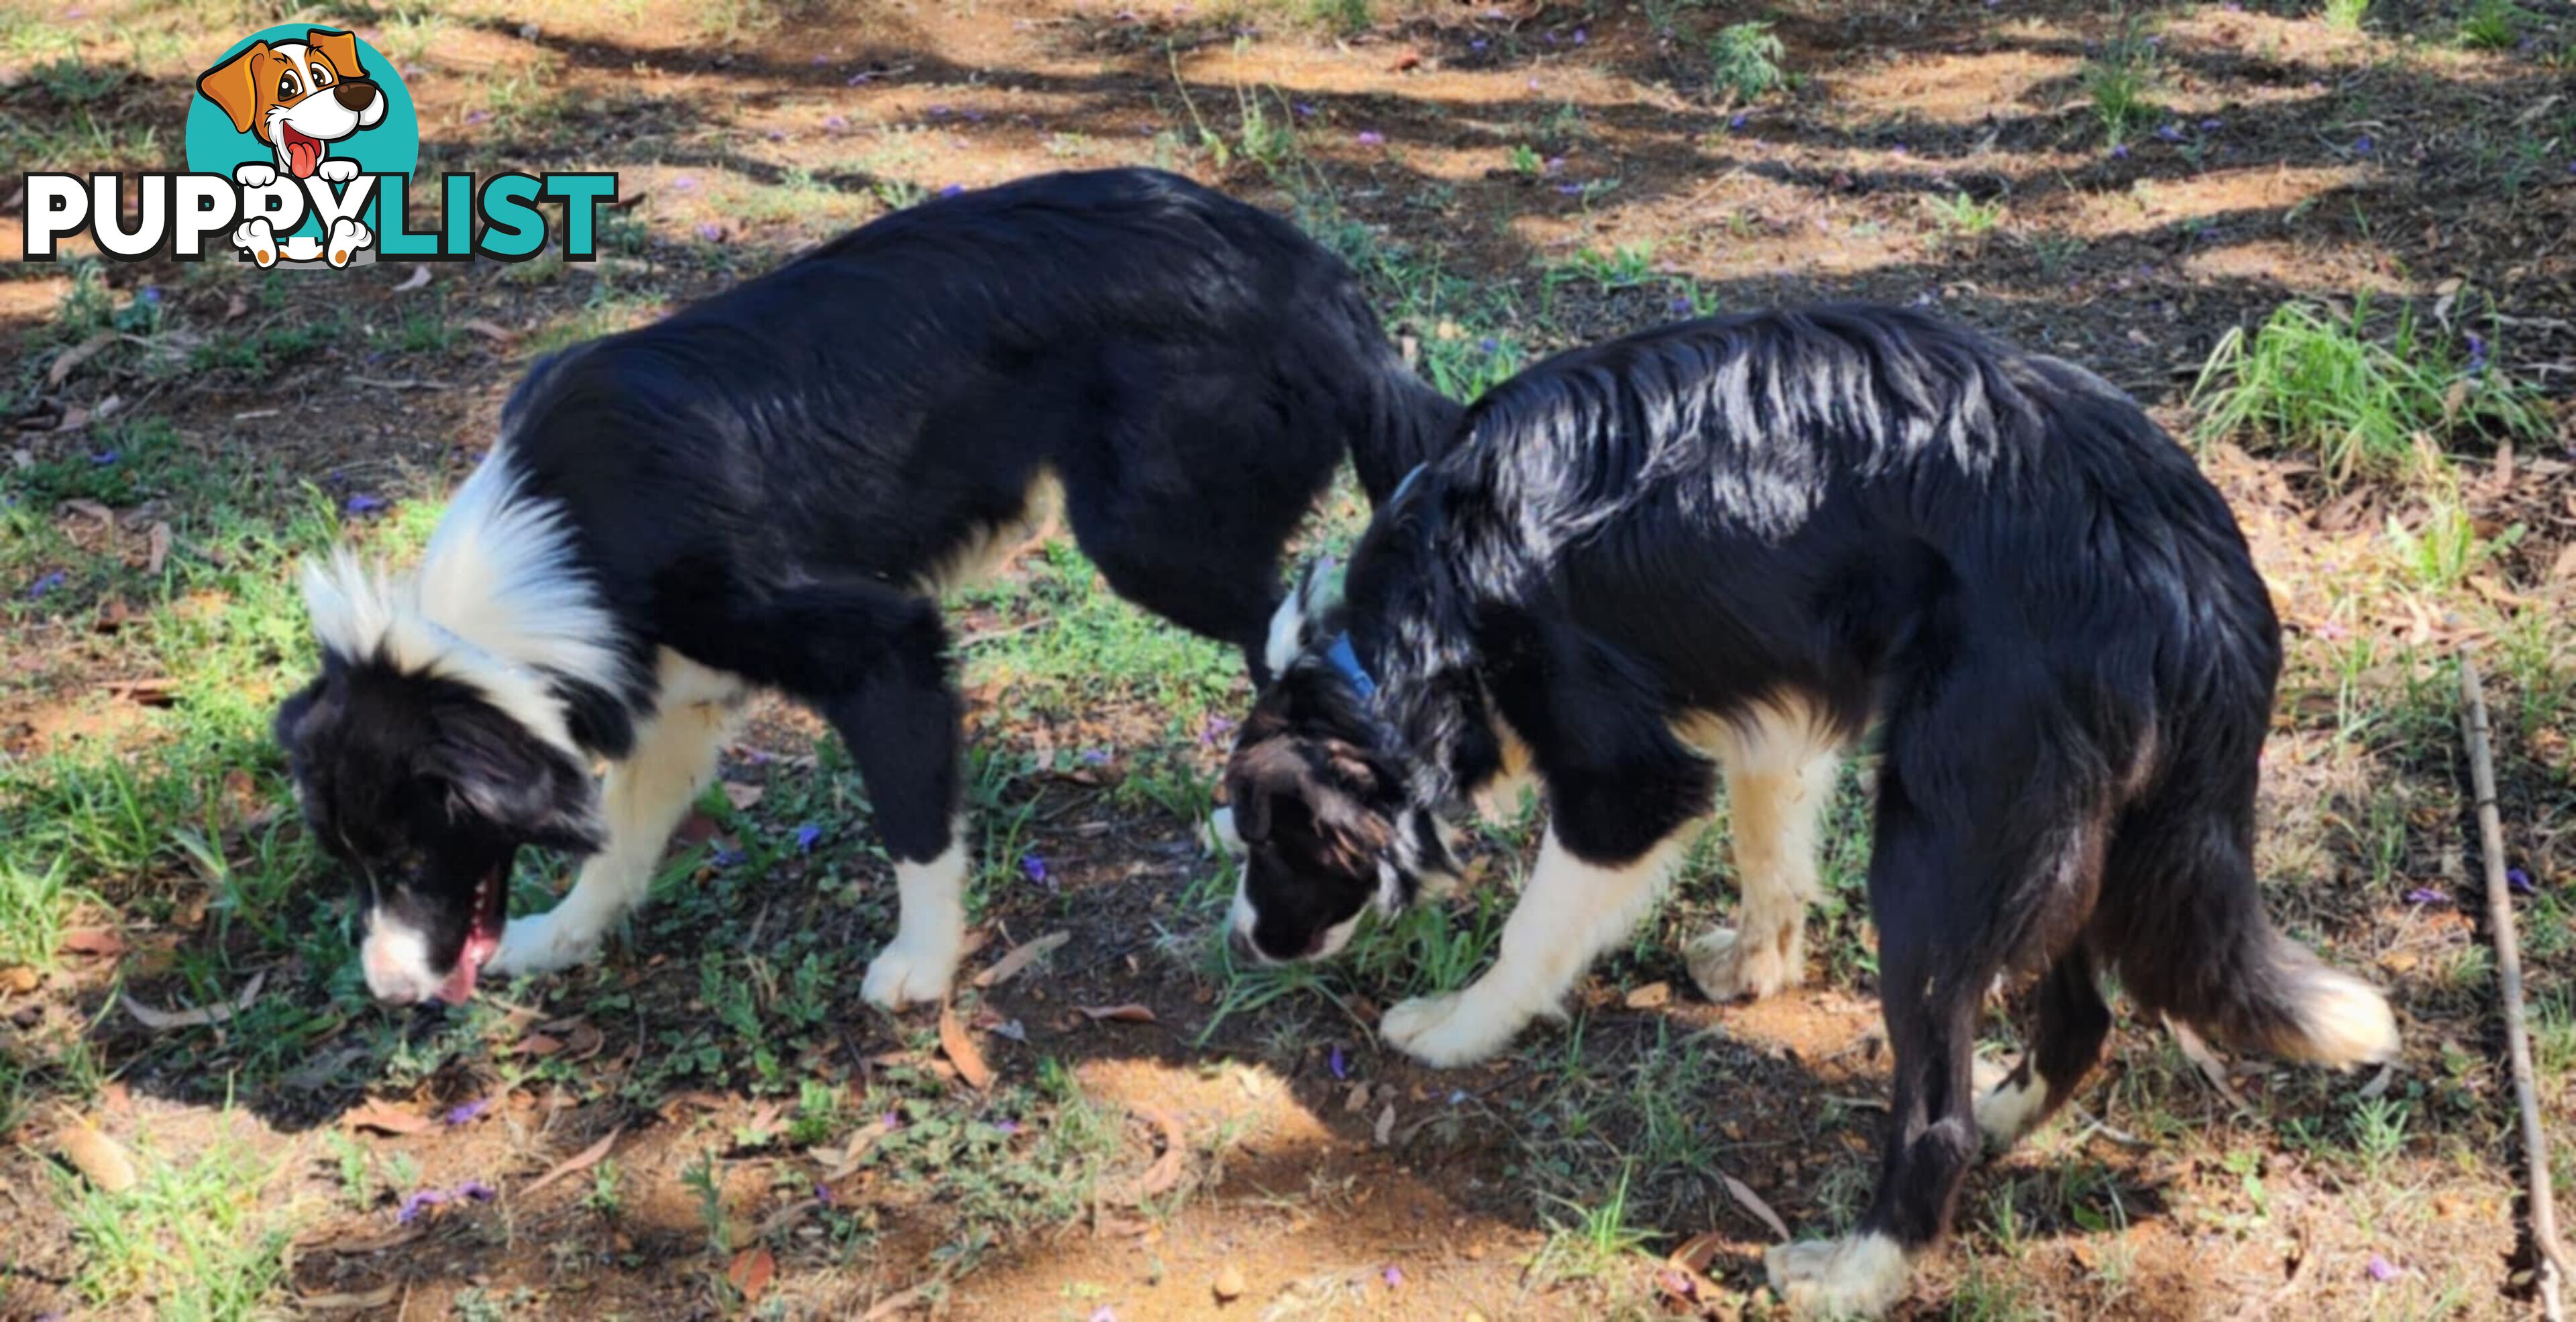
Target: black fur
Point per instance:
(1993, 558)
(765, 481)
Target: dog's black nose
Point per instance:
(355, 94)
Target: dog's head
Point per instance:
(1319, 799)
(297, 96)
(425, 788)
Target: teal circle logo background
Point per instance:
(392, 146)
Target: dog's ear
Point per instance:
(234, 85)
(494, 768)
(340, 49)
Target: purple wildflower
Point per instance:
(1394, 1276)
(823, 1194)
(1304, 111)
(2119, 151)
(44, 585)
(1095, 757)
(1578, 36)
(1489, 344)
(1007, 1127)
(1036, 867)
(710, 231)
(2169, 133)
(1478, 44)
(939, 112)
(105, 457)
(2210, 126)
(858, 78)
(2380, 1270)
(477, 116)
(2477, 353)
(687, 183)
(1341, 1069)
(1104, 1313)
(725, 858)
(835, 123)
(1216, 728)
(806, 835)
(2361, 146)
(476, 1191)
(466, 1113)
(151, 294)
(1570, 190)
(420, 1202)
(2422, 895)
(820, 59)
(1371, 138)
(1740, 119)
(2519, 880)
(1681, 306)
(952, 190)
(363, 503)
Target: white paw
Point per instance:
(254, 237)
(348, 238)
(338, 172)
(540, 945)
(254, 174)
(1728, 968)
(1859, 1277)
(910, 972)
(2005, 1111)
(1447, 1030)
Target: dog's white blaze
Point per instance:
(1569, 912)
(497, 603)
(395, 959)
(1860, 1276)
(1287, 635)
(2345, 1021)
(930, 930)
(644, 797)
(986, 548)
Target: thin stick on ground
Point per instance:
(2535, 1143)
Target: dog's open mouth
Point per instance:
(491, 914)
(303, 151)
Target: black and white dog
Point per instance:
(769, 488)
(1749, 539)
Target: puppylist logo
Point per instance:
(301, 142)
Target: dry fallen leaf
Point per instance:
(386, 1119)
(751, 1272)
(575, 1164)
(961, 1052)
(164, 1020)
(158, 542)
(18, 978)
(498, 334)
(1165, 1173)
(1385, 1131)
(75, 356)
(419, 276)
(102, 942)
(1021, 956)
(743, 797)
(1752, 1202)
(375, 1298)
(100, 1158)
(1124, 1014)
(1650, 996)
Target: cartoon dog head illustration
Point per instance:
(297, 96)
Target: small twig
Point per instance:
(990, 635)
(2535, 1141)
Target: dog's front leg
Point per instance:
(644, 799)
(1570, 911)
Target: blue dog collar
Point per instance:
(1347, 661)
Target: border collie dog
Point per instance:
(1728, 547)
(768, 489)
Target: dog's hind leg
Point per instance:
(2069, 1022)
(1779, 782)
(1569, 912)
(645, 796)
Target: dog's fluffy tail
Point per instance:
(2299, 1009)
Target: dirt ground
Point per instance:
(731, 1131)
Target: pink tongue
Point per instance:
(459, 987)
(302, 155)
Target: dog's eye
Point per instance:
(287, 86)
(321, 77)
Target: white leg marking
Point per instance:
(1568, 913)
(1779, 781)
(645, 797)
(930, 930)
(2006, 1110)
(1859, 1277)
